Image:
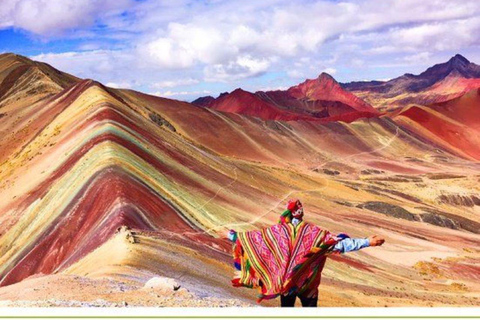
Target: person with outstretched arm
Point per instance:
(287, 259)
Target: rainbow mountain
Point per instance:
(100, 183)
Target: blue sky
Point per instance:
(184, 49)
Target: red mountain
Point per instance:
(244, 102)
(317, 99)
(325, 88)
(204, 101)
(453, 124)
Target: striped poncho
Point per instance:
(282, 259)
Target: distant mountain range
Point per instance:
(324, 98)
(458, 67)
(439, 83)
(317, 99)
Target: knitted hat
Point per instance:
(293, 205)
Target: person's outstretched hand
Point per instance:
(375, 241)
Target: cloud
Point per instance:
(119, 85)
(296, 74)
(270, 88)
(241, 68)
(180, 43)
(184, 95)
(165, 53)
(330, 71)
(438, 36)
(90, 64)
(119, 69)
(53, 17)
(180, 93)
(174, 83)
(420, 57)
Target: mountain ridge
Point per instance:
(423, 88)
(319, 99)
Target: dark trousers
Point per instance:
(289, 301)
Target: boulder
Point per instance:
(162, 283)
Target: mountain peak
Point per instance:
(326, 88)
(238, 91)
(9, 56)
(458, 58)
(458, 63)
(325, 75)
(203, 101)
(327, 79)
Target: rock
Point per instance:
(130, 238)
(460, 222)
(371, 171)
(161, 121)
(162, 283)
(439, 220)
(129, 234)
(459, 200)
(399, 178)
(439, 176)
(331, 172)
(389, 209)
(343, 203)
(123, 229)
(327, 171)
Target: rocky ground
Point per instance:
(75, 291)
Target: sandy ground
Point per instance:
(75, 291)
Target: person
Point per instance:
(287, 259)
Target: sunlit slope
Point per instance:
(454, 124)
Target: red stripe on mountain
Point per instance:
(457, 136)
(91, 218)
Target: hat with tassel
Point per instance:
(294, 210)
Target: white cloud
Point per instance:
(53, 17)
(170, 94)
(174, 83)
(296, 74)
(168, 44)
(241, 68)
(89, 64)
(438, 36)
(119, 85)
(270, 88)
(166, 53)
(330, 71)
(421, 57)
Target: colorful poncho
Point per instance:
(282, 259)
